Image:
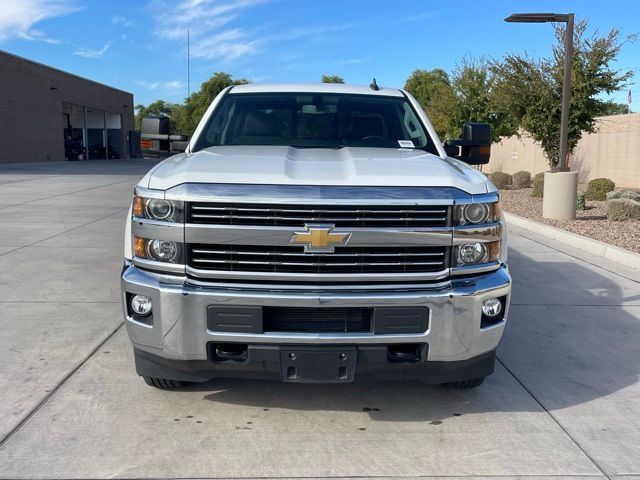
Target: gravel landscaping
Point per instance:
(591, 222)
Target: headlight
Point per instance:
(476, 253)
(158, 250)
(158, 209)
(477, 213)
(471, 253)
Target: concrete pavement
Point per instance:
(564, 400)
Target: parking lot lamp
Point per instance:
(561, 185)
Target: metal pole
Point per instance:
(563, 164)
(188, 65)
(85, 133)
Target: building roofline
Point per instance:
(9, 54)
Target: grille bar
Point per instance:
(302, 254)
(386, 216)
(293, 259)
(314, 264)
(306, 219)
(197, 207)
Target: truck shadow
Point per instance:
(573, 336)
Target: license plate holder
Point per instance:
(318, 364)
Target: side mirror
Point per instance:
(474, 147)
(178, 143)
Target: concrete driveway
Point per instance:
(564, 400)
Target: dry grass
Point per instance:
(591, 223)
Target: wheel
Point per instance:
(162, 382)
(473, 383)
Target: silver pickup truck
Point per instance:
(317, 233)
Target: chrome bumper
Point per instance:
(179, 330)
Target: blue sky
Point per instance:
(140, 45)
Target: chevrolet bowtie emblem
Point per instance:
(319, 238)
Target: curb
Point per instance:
(595, 247)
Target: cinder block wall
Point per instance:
(613, 152)
(31, 97)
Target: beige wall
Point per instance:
(613, 152)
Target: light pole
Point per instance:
(560, 201)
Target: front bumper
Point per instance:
(178, 334)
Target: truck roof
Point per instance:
(315, 88)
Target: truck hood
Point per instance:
(282, 165)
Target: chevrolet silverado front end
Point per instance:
(315, 233)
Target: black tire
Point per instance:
(163, 383)
(473, 383)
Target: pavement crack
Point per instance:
(66, 231)
(557, 422)
(55, 390)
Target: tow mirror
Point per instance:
(474, 147)
(178, 143)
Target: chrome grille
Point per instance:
(293, 259)
(384, 216)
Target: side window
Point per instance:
(413, 127)
(218, 128)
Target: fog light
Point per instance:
(491, 307)
(141, 305)
(472, 253)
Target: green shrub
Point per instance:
(522, 179)
(619, 209)
(581, 203)
(598, 188)
(538, 185)
(631, 194)
(501, 180)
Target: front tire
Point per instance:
(472, 383)
(162, 383)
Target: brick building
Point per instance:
(47, 114)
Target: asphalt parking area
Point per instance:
(564, 400)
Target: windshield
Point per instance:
(315, 121)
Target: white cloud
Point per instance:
(18, 17)
(121, 20)
(227, 45)
(417, 17)
(214, 36)
(169, 86)
(207, 22)
(93, 53)
(354, 61)
(43, 37)
(174, 85)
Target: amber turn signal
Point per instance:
(138, 206)
(497, 211)
(494, 251)
(139, 247)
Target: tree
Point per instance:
(531, 90)
(433, 90)
(465, 95)
(473, 84)
(613, 108)
(158, 108)
(331, 79)
(186, 116)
